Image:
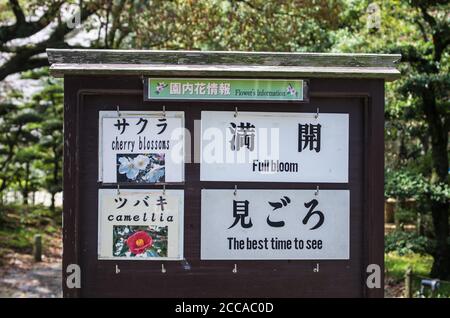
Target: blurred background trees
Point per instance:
(417, 108)
(417, 105)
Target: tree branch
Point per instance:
(116, 22)
(17, 10)
(422, 30)
(440, 31)
(427, 17)
(22, 28)
(25, 57)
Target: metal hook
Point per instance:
(316, 193)
(118, 189)
(317, 113)
(117, 269)
(186, 265)
(118, 111)
(163, 269)
(235, 112)
(317, 268)
(164, 189)
(235, 269)
(164, 111)
(235, 190)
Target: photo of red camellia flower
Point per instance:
(139, 242)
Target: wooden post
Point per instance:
(408, 283)
(37, 248)
(419, 224)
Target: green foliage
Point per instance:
(19, 224)
(18, 134)
(50, 103)
(256, 25)
(405, 216)
(396, 266)
(404, 243)
(31, 141)
(406, 184)
(35, 74)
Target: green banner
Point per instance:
(224, 89)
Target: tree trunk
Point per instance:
(55, 177)
(52, 204)
(441, 264)
(25, 196)
(25, 190)
(439, 210)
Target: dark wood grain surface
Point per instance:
(86, 96)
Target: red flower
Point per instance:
(139, 242)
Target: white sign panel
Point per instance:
(275, 224)
(274, 147)
(140, 224)
(141, 147)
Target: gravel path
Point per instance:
(22, 277)
(42, 280)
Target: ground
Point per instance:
(22, 277)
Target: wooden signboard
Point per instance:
(215, 174)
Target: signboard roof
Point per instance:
(219, 63)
